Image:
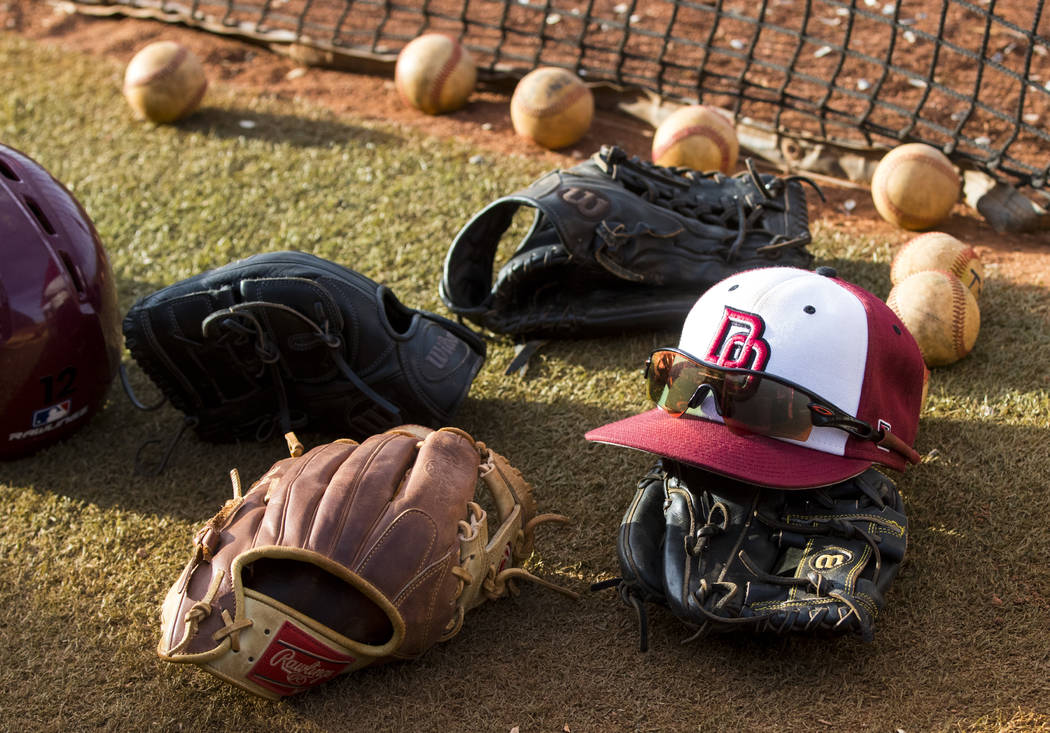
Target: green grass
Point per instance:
(87, 549)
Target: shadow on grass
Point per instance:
(288, 129)
(872, 276)
(97, 463)
(538, 422)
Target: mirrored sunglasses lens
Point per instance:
(673, 380)
(752, 404)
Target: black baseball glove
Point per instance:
(620, 244)
(724, 555)
(286, 340)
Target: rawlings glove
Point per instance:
(287, 341)
(620, 244)
(347, 556)
(724, 555)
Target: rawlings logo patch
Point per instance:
(294, 661)
(738, 344)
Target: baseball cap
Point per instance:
(824, 334)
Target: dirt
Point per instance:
(484, 122)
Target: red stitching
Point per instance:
(557, 105)
(962, 261)
(444, 74)
(894, 164)
(958, 315)
(707, 131)
(195, 100)
(167, 70)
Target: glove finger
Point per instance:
(679, 564)
(641, 539)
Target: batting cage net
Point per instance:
(970, 78)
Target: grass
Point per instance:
(87, 549)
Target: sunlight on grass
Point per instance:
(87, 550)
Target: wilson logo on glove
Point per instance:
(442, 350)
(833, 559)
(587, 203)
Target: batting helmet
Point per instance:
(60, 336)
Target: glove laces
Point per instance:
(497, 582)
(242, 318)
(814, 582)
(682, 190)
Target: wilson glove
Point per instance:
(723, 555)
(619, 244)
(288, 341)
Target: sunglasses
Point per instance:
(753, 402)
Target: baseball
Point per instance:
(435, 74)
(940, 312)
(698, 137)
(939, 251)
(164, 82)
(552, 107)
(915, 186)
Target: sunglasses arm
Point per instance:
(861, 429)
(895, 444)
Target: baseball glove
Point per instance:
(350, 555)
(724, 555)
(620, 244)
(286, 341)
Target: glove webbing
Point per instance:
(676, 189)
(813, 581)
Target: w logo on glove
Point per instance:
(833, 559)
(588, 204)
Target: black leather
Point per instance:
(727, 555)
(641, 539)
(287, 340)
(618, 244)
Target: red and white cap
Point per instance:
(811, 328)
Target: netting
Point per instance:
(970, 78)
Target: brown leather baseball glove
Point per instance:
(350, 555)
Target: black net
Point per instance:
(970, 78)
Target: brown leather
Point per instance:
(350, 555)
(322, 596)
(386, 515)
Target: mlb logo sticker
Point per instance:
(51, 414)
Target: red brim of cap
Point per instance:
(755, 459)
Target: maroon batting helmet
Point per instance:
(59, 324)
